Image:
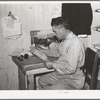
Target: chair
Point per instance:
(91, 68)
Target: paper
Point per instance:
(11, 29)
(10, 23)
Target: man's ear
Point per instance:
(62, 29)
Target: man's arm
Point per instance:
(69, 62)
(52, 51)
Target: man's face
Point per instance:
(58, 31)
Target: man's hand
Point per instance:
(49, 64)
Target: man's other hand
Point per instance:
(49, 64)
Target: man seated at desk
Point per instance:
(71, 56)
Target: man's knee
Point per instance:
(40, 80)
(47, 79)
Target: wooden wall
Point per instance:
(33, 16)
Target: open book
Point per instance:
(40, 55)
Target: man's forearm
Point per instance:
(51, 53)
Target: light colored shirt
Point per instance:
(71, 53)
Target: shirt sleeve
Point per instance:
(52, 51)
(67, 64)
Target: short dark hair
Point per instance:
(61, 21)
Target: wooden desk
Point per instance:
(27, 69)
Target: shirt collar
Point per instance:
(69, 36)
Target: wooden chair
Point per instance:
(91, 68)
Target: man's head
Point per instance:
(60, 27)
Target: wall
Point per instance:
(33, 16)
(95, 37)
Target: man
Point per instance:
(71, 55)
